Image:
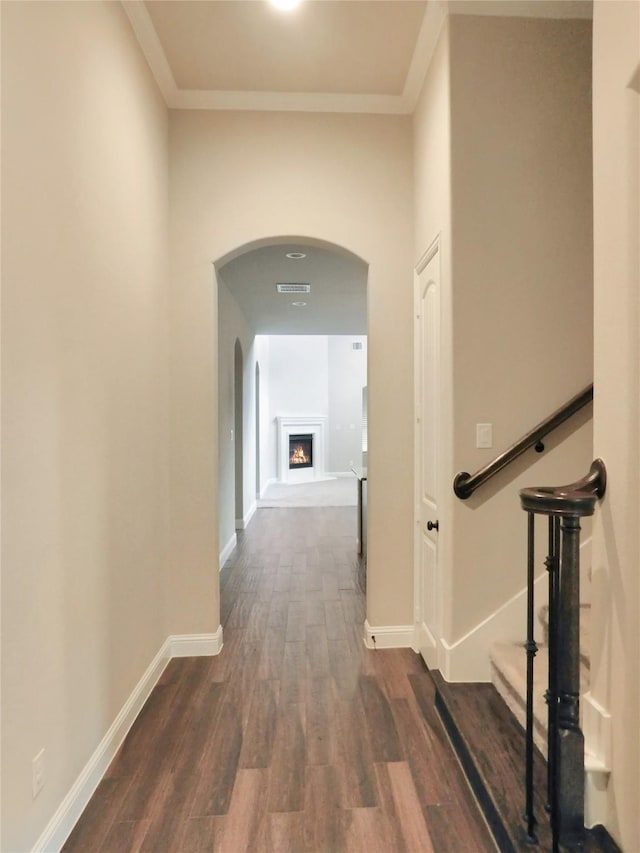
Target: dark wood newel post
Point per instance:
(570, 744)
(565, 506)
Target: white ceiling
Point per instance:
(336, 305)
(326, 55)
(359, 56)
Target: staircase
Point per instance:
(537, 686)
(509, 668)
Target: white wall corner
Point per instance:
(267, 484)
(596, 724)
(427, 645)
(196, 645)
(243, 523)
(389, 636)
(228, 549)
(68, 813)
(467, 659)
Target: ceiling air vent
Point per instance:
(293, 287)
(356, 345)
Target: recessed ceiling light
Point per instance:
(296, 256)
(299, 304)
(285, 5)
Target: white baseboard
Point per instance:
(427, 645)
(598, 747)
(389, 636)
(336, 475)
(467, 659)
(243, 523)
(228, 549)
(196, 645)
(68, 813)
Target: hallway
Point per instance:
(296, 737)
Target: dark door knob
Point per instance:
(433, 525)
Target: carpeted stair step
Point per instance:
(509, 676)
(585, 631)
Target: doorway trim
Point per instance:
(425, 641)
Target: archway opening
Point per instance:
(324, 297)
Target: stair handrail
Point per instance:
(564, 506)
(465, 484)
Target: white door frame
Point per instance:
(425, 640)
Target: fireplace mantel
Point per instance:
(288, 425)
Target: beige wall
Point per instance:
(522, 279)
(233, 326)
(239, 177)
(84, 390)
(616, 587)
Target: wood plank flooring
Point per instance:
(493, 755)
(296, 737)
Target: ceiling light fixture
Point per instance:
(299, 304)
(296, 256)
(285, 5)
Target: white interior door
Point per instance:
(427, 344)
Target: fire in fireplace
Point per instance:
(301, 451)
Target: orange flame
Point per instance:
(298, 456)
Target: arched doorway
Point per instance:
(248, 464)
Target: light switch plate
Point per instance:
(484, 435)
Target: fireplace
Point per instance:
(306, 432)
(301, 451)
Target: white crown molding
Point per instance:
(147, 36)
(309, 102)
(434, 18)
(522, 8)
(68, 813)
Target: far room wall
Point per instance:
(319, 375)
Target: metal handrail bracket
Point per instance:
(465, 484)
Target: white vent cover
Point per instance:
(293, 287)
(356, 345)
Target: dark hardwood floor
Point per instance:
(296, 737)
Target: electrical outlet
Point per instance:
(37, 780)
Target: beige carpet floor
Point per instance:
(342, 491)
